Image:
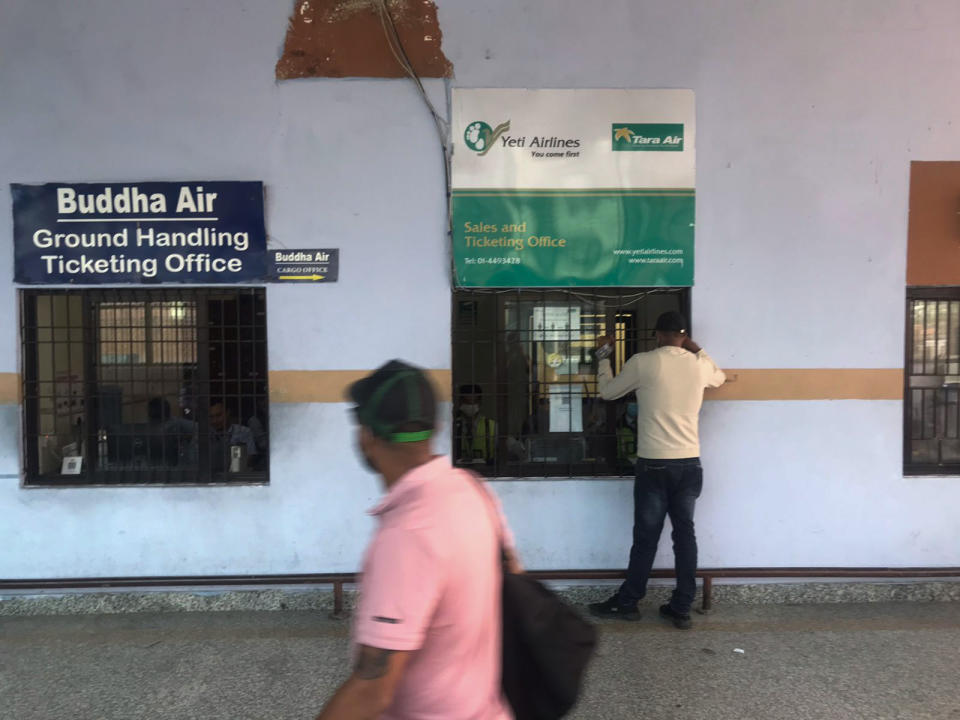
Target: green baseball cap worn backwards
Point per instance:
(397, 402)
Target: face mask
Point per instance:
(367, 462)
(469, 410)
(632, 411)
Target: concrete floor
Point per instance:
(872, 661)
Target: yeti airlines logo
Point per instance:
(480, 137)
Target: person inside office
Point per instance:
(226, 434)
(475, 434)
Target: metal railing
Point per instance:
(339, 580)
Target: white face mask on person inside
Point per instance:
(470, 409)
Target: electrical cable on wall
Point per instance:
(400, 53)
(443, 127)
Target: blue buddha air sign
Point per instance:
(149, 232)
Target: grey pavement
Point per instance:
(873, 661)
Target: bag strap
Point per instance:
(495, 516)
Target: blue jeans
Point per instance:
(664, 487)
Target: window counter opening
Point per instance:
(158, 386)
(931, 405)
(525, 401)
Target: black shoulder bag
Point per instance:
(546, 644)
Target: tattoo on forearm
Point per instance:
(372, 663)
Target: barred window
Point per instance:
(127, 329)
(932, 394)
(524, 378)
(135, 386)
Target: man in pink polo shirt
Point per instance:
(427, 625)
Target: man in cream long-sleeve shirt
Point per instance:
(669, 384)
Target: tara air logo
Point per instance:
(480, 137)
(647, 137)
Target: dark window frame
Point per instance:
(926, 383)
(246, 332)
(465, 308)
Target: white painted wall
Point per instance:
(809, 113)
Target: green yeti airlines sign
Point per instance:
(547, 190)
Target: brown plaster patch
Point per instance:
(345, 38)
(933, 234)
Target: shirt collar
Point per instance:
(409, 483)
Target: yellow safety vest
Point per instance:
(481, 442)
(626, 443)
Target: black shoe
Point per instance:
(679, 620)
(612, 609)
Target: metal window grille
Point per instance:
(135, 386)
(524, 378)
(932, 382)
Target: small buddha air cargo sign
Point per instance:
(146, 232)
(560, 188)
(309, 265)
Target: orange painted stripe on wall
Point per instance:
(9, 388)
(329, 386)
(811, 384)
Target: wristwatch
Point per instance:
(604, 352)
